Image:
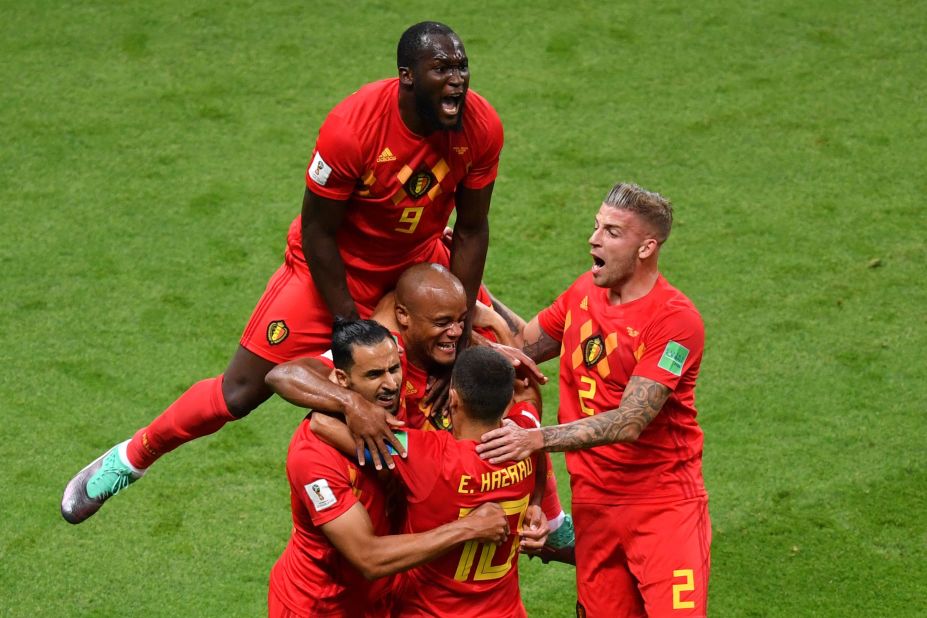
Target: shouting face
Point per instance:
(620, 239)
(439, 78)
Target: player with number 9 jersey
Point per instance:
(400, 190)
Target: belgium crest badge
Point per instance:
(277, 331)
(593, 350)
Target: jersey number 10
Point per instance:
(483, 553)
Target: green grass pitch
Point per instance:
(152, 159)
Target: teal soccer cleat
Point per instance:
(106, 476)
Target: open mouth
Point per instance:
(447, 348)
(597, 264)
(387, 400)
(451, 105)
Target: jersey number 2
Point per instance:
(589, 393)
(485, 569)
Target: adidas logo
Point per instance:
(386, 155)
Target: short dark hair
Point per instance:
(412, 41)
(484, 381)
(652, 207)
(349, 333)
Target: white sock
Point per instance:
(124, 458)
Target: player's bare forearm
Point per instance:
(641, 402)
(386, 555)
(333, 432)
(321, 218)
(515, 322)
(471, 238)
(536, 344)
(304, 382)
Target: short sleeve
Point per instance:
(319, 478)
(553, 319)
(327, 358)
(421, 468)
(337, 162)
(484, 169)
(673, 346)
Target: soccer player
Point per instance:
(340, 526)
(390, 164)
(630, 346)
(426, 314)
(445, 479)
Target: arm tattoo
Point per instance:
(541, 349)
(641, 402)
(506, 315)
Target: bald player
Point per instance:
(426, 315)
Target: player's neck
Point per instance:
(468, 429)
(637, 286)
(408, 113)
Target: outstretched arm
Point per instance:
(642, 401)
(377, 556)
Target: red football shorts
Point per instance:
(291, 320)
(642, 559)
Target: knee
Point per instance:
(244, 395)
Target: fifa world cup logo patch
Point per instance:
(277, 331)
(593, 348)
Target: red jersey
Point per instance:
(311, 577)
(446, 479)
(660, 337)
(399, 185)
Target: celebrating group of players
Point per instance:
(425, 455)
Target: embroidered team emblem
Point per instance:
(632, 332)
(419, 184)
(461, 149)
(277, 331)
(386, 156)
(593, 350)
(410, 388)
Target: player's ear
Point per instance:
(647, 248)
(340, 378)
(402, 315)
(405, 76)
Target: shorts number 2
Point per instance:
(688, 586)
